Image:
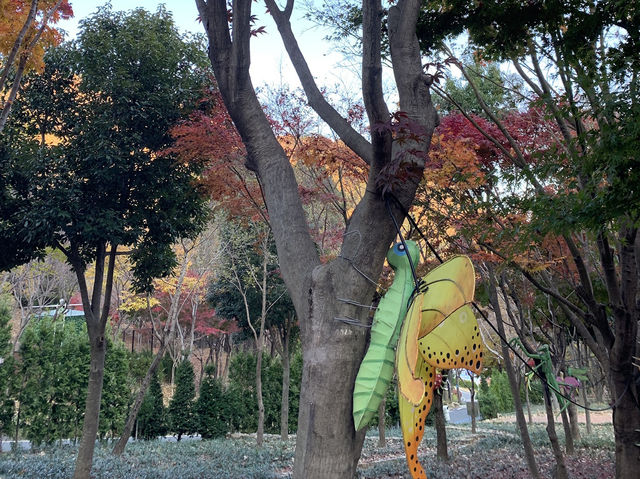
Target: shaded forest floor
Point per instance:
(494, 451)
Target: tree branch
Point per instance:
(356, 142)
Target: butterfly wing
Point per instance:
(412, 418)
(410, 387)
(454, 343)
(448, 287)
(445, 289)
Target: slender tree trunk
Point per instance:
(573, 422)
(587, 412)
(568, 435)
(133, 414)
(560, 471)
(528, 401)
(441, 427)
(382, 441)
(260, 431)
(84, 460)
(513, 383)
(473, 406)
(286, 380)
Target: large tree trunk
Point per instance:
(98, 348)
(327, 444)
(626, 424)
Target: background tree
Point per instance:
(26, 33)
(40, 287)
(103, 186)
(151, 420)
(180, 413)
(7, 373)
(211, 408)
(250, 277)
(575, 61)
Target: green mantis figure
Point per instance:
(543, 356)
(376, 369)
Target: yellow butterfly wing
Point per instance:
(448, 287)
(445, 289)
(412, 418)
(409, 386)
(454, 343)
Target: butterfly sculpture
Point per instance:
(439, 331)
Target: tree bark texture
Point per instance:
(327, 444)
(568, 433)
(560, 471)
(442, 451)
(382, 440)
(98, 349)
(573, 422)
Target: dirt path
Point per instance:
(597, 417)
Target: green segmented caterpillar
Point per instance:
(376, 369)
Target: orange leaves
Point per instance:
(209, 137)
(14, 16)
(454, 163)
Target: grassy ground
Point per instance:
(493, 452)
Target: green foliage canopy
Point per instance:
(109, 98)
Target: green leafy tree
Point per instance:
(116, 392)
(104, 188)
(7, 375)
(180, 412)
(211, 407)
(152, 416)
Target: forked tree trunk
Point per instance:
(327, 445)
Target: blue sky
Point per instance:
(270, 64)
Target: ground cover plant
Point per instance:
(495, 451)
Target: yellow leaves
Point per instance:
(134, 304)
